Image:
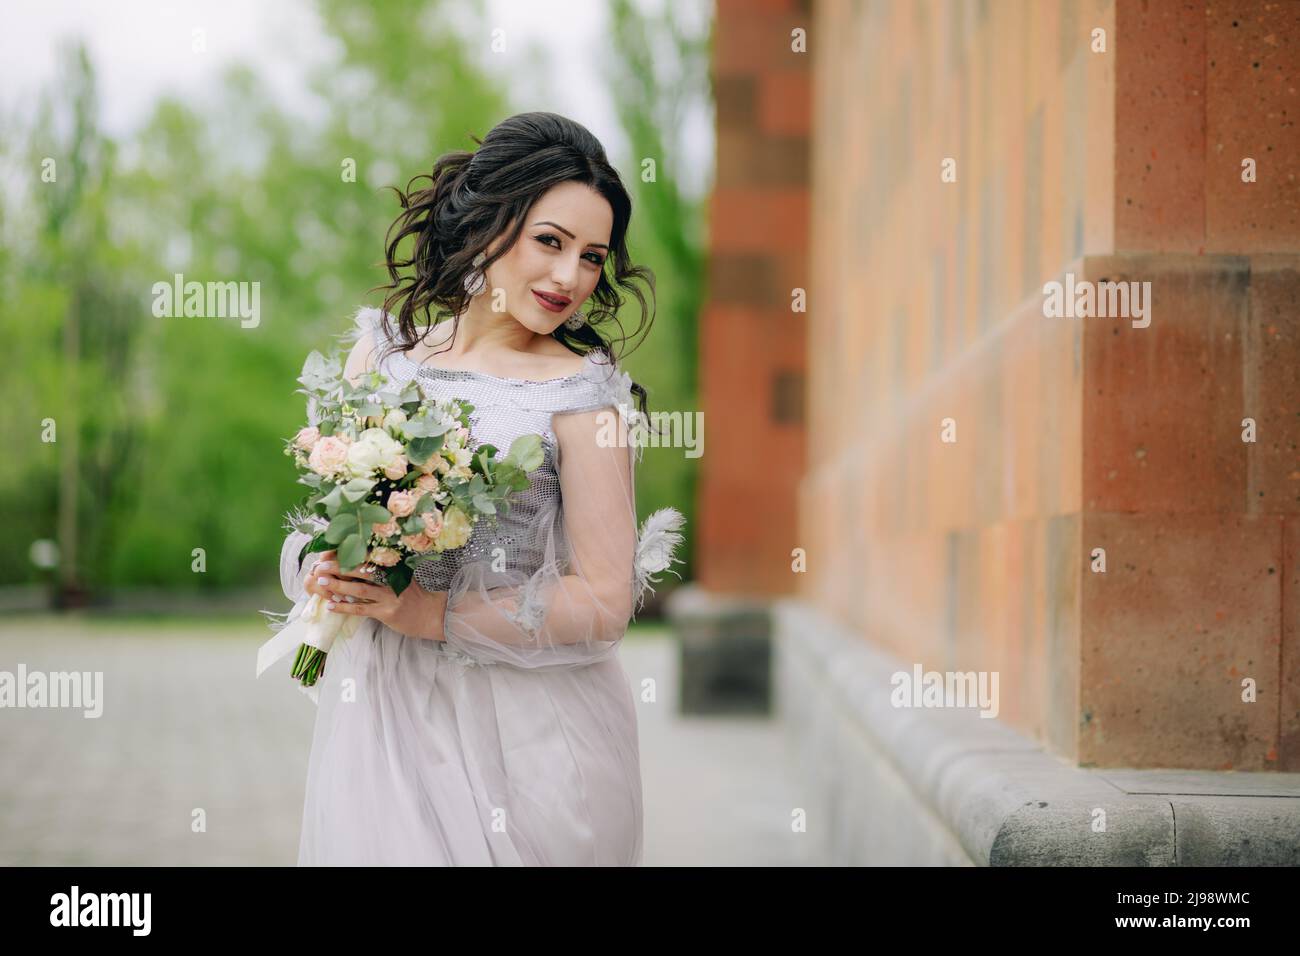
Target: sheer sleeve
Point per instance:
(574, 609)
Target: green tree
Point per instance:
(168, 428)
(659, 71)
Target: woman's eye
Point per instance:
(593, 257)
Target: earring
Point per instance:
(575, 321)
(476, 282)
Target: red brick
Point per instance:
(767, 221)
(1159, 50)
(1272, 385)
(785, 103)
(1252, 50)
(1188, 607)
(1289, 731)
(1162, 405)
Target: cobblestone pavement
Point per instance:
(186, 726)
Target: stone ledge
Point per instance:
(1007, 802)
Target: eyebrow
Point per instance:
(547, 222)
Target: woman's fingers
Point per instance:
(345, 590)
(360, 573)
(358, 589)
(312, 583)
(324, 574)
(324, 582)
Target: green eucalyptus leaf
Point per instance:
(340, 528)
(352, 552)
(374, 514)
(334, 500)
(357, 488)
(420, 449)
(320, 373)
(425, 427)
(526, 452)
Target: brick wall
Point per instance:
(753, 344)
(1072, 434)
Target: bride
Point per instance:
(483, 717)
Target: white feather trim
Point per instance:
(655, 549)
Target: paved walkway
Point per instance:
(186, 726)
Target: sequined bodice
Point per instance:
(505, 409)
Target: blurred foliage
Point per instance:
(661, 70)
(169, 430)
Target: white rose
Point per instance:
(394, 419)
(363, 458)
(374, 449)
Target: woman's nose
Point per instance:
(564, 276)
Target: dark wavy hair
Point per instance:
(473, 197)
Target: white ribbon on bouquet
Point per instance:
(311, 624)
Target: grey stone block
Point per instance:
(1237, 831)
(726, 649)
(948, 787)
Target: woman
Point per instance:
(483, 717)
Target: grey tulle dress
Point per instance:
(514, 743)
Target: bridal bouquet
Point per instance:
(394, 483)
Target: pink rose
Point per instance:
(427, 484)
(401, 503)
(418, 542)
(385, 529)
(432, 522)
(436, 464)
(397, 469)
(307, 437)
(328, 456)
(384, 557)
(463, 434)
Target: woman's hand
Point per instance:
(415, 612)
(316, 583)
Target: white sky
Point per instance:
(141, 49)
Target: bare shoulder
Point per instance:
(563, 365)
(362, 357)
(546, 359)
(556, 361)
